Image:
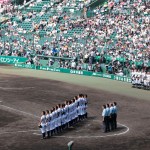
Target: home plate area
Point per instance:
(88, 128)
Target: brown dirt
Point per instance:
(34, 95)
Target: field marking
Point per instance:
(87, 136)
(4, 81)
(5, 88)
(20, 111)
(125, 127)
(14, 132)
(92, 136)
(36, 133)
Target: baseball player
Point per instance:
(48, 123)
(86, 105)
(63, 117)
(56, 120)
(52, 124)
(79, 107)
(59, 117)
(76, 109)
(42, 124)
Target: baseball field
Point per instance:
(24, 93)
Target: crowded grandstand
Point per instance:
(100, 36)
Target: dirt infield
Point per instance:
(23, 98)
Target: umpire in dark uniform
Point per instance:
(115, 115)
(108, 117)
(111, 116)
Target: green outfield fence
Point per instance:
(78, 72)
(20, 62)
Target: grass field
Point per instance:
(25, 93)
(87, 81)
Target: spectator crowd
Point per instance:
(115, 39)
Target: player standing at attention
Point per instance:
(86, 105)
(79, 106)
(66, 111)
(115, 115)
(56, 119)
(59, 118)
(76, 109)
(82, 107)
(52, 127)
(42, 124)
(70, 113)
(63, 117)
(48, 123)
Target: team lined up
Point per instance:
(109, 115)
(141, 80)
(63, 116)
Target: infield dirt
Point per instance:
(33, 95)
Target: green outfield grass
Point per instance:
(113, 86)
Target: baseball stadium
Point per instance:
(74, 75)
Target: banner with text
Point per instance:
(79, 72)
(12, 59)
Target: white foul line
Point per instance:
(4, 81)
(16, 110)
(12, 88)
(11, 132)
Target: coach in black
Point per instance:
(107, 117)
(111, 116)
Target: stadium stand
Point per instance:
(4, 1)
(112, 38)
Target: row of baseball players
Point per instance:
(63, 116)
